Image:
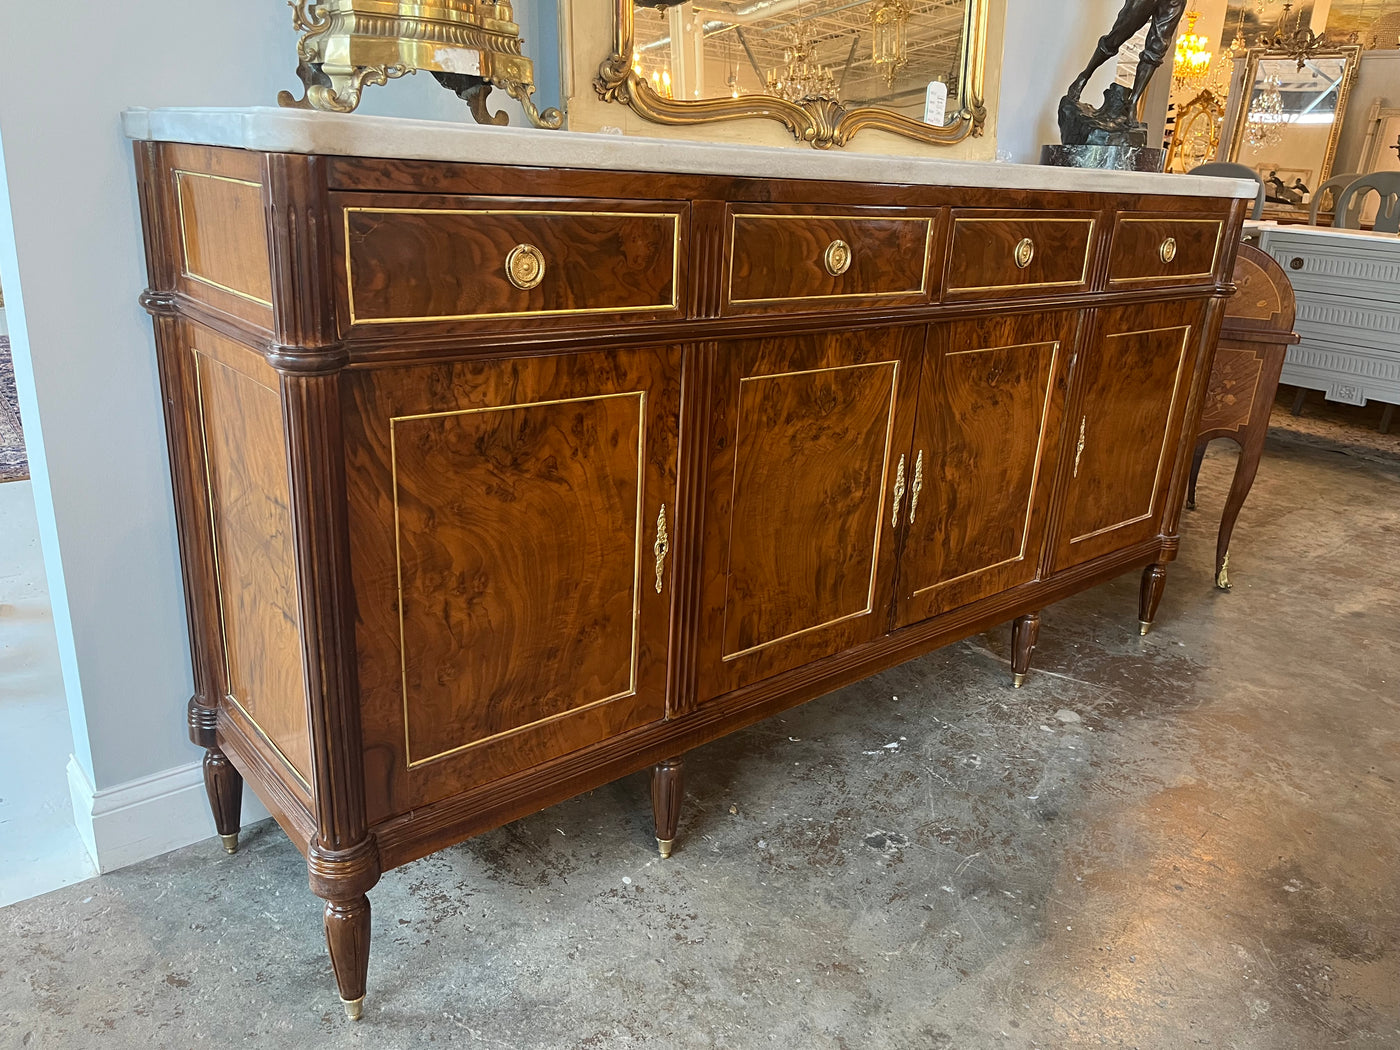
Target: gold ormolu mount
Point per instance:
(469, 46)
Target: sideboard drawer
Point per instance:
(420, 260)
(793, 256)
(1159, 251)
(997, 255)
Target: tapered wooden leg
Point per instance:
(1196, 462)
(1298, 399)
(666, 792)
(347, 938)
(1024, 633)
(224, 785)
(1387, 417)
(1154, 582)
(1245, 471)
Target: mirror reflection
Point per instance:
(1287, 132)
(901, 55)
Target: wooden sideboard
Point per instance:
(495, 483)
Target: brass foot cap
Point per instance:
(664, 845)
(1144, 626)
(230, 842)
(354, 1008)
(1018, 680)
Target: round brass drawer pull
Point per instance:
(838, 258)
(1296, 263)
(1168, 251)
(525, 266)
(1025, 252)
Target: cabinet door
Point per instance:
(809, 445)
(1131, 390)
(987, 438)
(504, 525)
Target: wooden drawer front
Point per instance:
(795, 258)
(456, 260)
(1163, 251)
(1004, 254)
(1355, 268)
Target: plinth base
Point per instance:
(1108, 158)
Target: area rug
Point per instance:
(14, 464)
(1325, 424)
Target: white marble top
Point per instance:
(302, 131)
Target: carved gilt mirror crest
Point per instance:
(826, 69)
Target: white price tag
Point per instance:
(936, 104)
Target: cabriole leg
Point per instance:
(224, 785)
(347, 939)
(1025, 631)
(1154, 582)
(1196, 460)
(666, 794)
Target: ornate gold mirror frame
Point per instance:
(822, 122)
(1302, 52)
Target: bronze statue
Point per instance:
(1116, 123)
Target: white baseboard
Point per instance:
(146, 817)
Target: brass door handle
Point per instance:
(525, 267)
(661, 547)
(898, 492)
(838, 258)
(1168, 250)
(1025, 252)
(918, 486)
(1079, 451)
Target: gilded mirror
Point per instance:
(826, 69)
(1287, 119)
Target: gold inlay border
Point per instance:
(879, 517)
(1185, 331)
(674, 304)
(180, 173)
(639, 544)
(218, 570)
(1029, 221)
(923, 288)
(1055, 346)
(1214, 259)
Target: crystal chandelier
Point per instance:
(1266, 121)
(1193, 57)
(890, 40)
(802, 76)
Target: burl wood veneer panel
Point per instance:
(778, 257)
(503, 525)
(1161, 251)
(221, 227)
(799, 546)
(998, 255)
(416, 259)
(1135, 381)
(240, 416)
(991, 406)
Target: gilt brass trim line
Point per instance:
(1083, 276)
(674, 304)
(1214, 260)
(218, 570)
(639, 543)
(922, 290)
(1185, 331)
(879, 517)
(180, 173)
(1055, 346)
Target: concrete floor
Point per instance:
(1180, 841)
